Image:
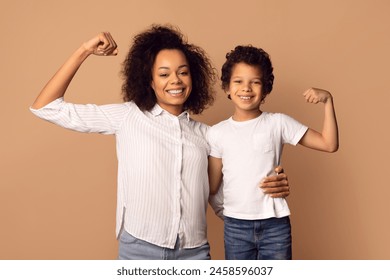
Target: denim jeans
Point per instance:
(131, 248)
(267, 239)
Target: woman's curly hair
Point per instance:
(137, 68)
(251, 56)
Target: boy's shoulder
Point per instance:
(217, 130)
(220, 125)
(274, 116)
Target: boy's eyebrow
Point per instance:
(240, 77)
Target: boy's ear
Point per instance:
(228, 94)
(263, 96)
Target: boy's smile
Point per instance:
(245, 97)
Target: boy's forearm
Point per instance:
(330, 128)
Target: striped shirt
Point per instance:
(162, 167)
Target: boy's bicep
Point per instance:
(313, 139)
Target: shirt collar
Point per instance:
(157, 110)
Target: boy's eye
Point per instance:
(237, 81)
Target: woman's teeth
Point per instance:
(176, 91)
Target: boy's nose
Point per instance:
(247, 88)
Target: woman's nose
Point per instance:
(176, 79)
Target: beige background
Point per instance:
(58, 188)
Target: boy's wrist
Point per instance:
(329, 100)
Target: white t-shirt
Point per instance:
(250, 151)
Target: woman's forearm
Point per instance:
(57, 85)
(102, 45)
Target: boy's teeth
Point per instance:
(245, 97)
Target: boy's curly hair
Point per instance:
(251, 56)
(137, 68)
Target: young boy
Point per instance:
(246, 147)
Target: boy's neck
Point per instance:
(241, 116)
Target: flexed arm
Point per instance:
(328, 139)
(103, 44)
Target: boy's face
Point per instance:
(245, 88)
(172, 81)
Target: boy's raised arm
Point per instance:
(327, 140)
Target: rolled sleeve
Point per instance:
(88, 118)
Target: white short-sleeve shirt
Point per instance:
(250, 150)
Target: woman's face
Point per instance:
(171, 80)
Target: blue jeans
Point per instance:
(268, 239)
(132, 248)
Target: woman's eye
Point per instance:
(184, 73)
(163, 75)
